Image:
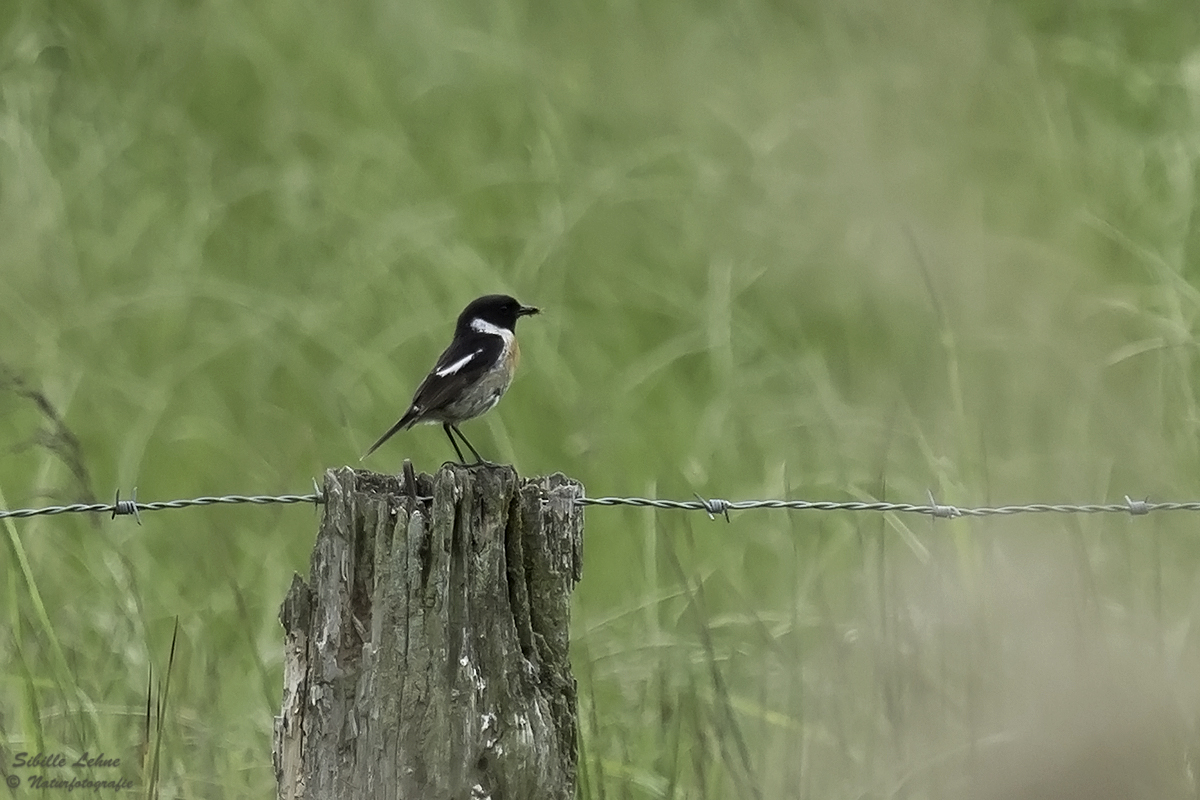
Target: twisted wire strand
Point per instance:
(716, 506)
(121, 507)
(712, 506)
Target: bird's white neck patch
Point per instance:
(483, 326)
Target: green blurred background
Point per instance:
(833, 250)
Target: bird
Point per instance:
(472, 374)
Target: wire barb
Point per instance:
(714, 507)
(126, 507)
(940, 511)
(1137, 508)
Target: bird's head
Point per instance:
(499, 310)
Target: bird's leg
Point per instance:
(474, 452)
(446, 427)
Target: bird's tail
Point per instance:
(406, 421)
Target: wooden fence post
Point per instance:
(426, 657)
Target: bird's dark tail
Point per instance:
(404, 422)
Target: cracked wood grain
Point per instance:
(426, 656)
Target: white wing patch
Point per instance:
(450, 369)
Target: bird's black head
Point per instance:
(497, 309)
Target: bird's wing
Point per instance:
(464, 362)
(461, 365)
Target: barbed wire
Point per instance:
(712, 506)
(715, 506)
(133, 508)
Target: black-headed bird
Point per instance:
(472, 374)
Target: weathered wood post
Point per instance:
(426, 657)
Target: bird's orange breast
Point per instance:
(513, 357)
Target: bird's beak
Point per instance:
(527, 311)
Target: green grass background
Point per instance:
(826, 250)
